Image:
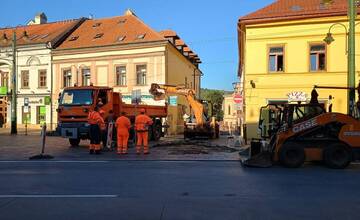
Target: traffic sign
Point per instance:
(238, 99)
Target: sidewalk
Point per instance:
(21, 147)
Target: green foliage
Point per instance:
(216, 98)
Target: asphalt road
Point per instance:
(174, 190)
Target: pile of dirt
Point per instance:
(193, 147)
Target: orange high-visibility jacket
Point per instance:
(142, 123)
(95, 118)
(123, 125)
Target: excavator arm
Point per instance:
(161, 91)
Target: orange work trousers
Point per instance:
(142, 139)
(122, 142)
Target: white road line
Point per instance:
(57, 196)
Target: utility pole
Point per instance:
(14, 88)
(351, 55)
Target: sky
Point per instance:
(209, 27)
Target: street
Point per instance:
(174, 190)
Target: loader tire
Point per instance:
(292, 155)
(337, 156)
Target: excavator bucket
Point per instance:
(256, 156)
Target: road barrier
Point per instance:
(42, 155)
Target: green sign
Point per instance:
(42, 115)
(3, 90)
(47, 100)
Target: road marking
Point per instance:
(57, 196)
(54, 161)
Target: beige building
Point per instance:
(230, 113)
(34, 68)
(124, 53)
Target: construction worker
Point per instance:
(97, 124)
(142, 123)
(122, 125)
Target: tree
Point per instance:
(215, 98)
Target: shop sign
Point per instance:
(297, 96)
(47, 100)
(173, 100)
(3, 90)
(26, 109)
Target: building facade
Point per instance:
(283, 55)
(125, 54)
(34, 43)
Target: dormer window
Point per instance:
(121, 38)
(73, 38)
(97, 36)
(96, 25)
(122, 21)
(140, 36)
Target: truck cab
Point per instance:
(75, 103)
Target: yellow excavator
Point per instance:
(202, 126)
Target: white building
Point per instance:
(34, 68)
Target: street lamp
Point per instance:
(352, 7)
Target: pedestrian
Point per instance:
(142, 123)
(122, 125)
(97, 124)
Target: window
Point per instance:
(317, 57)
(276, 59)
(96, 25)
(25, 79)
(67, 78)
(4, 79)
(40, 115)
(121, 38)
(74, 38)
(26, 114)
(98, 36)
(140, 36)
(86, 77)
(141, 74)
(122, 21)
(121, 75)
(76, 97)
(42, 78)
(103, 97)
(229, 110)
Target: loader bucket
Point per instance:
(256, 156)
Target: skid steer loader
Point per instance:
(292, 134)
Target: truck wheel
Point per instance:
(157, 132)
(292, 155)
(74, 142)
(337, 156)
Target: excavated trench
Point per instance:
(183, 147)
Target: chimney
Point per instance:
(129, 12)
(40, 18)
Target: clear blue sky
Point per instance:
(209, 27)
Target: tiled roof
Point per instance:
(115, 31)
(179, 42)
(111, 31)
(38, 34)
(296, 9)
(168, 33)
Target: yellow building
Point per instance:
(124, 53)
(283, 55)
